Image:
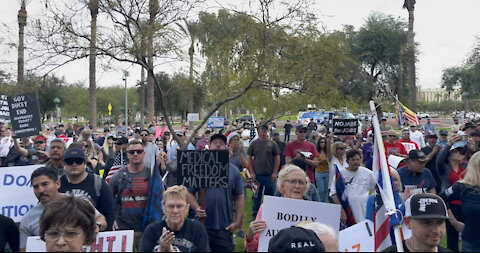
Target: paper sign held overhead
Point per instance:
(345, 126)
(25, 114)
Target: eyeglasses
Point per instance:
(172, 207)
(54, 235)
(74, 160)
(135, 151)
(392, 136)
(144, 135)
(296, 182)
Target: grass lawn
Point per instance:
(240, 247)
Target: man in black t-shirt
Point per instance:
(79, 182)
(288, 129)
(425, 215)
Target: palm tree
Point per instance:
(22, 22)
(191, 31)
(93, 5)
(153, 10)
(410, 6)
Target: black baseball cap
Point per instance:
(74, 153)
(443, 132)
(295, 239)
(432, 134)
(425, 206)
(218, 136)
(121, 140)
(417, 155)
(469, 125)
(475, 134)
(263, 127)
(301, 127)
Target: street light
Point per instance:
(464, 96)
(125, 75)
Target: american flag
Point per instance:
(340, 189)
(117, 164)
(253, 130)
(384, 216)
(409, 114)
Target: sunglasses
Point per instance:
(144, 135)
(135, 151)
(75, 160)
(118, 143)
(39, 142)
(392, 136)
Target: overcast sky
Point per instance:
(445, 30)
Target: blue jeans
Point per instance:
(470, 247)
(321, 178)
(266, 187)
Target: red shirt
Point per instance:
(391, 148)
(293, 149)
(453, 178)
(409, 145)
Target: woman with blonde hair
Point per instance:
(467, 191)
(337, 158)
(293, 183)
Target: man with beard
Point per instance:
(45, 185)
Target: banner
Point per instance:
(16, 191)
(345, 126)
(216, 122)
(357, 238)
(280, 213)
(117, 241)
(4, 108)
(202, 168)
(25, 114)
(193, 117)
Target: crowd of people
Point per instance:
(112, 176)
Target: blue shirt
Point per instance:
(417, 183)
(171, 152)
(219, 202)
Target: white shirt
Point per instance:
(358, 185)
(331, 167)
(417, 137)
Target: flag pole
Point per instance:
(385, 173)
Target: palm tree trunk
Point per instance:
(191, 51)
(411, 56)
(93, 5)
(400, 76)
(153, 9)
(142, 98)
(22, 22)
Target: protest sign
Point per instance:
(117, 241)
(25, 114)
(17, 196)
(280, 213)
(193, 117)
(357, 238)
(4, 108)
(216, 122)
(202, 168)
(345, 126)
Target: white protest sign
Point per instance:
(280, 213)
(193, 117)
(16, 191)
(357, 238)
(394, 160)
(67, 140)
(117, 241)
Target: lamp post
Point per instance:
(464, 96)
(56, 101)
(125, 75)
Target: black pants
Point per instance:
(452, 234)
(220, 240)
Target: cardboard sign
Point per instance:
(16, 191)
(4, 108)
(216, 122)
(25, 114)
(202, 168)
(193, 117)
(357, 238)
(117, 241)
(345, 126)
(280, 213)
